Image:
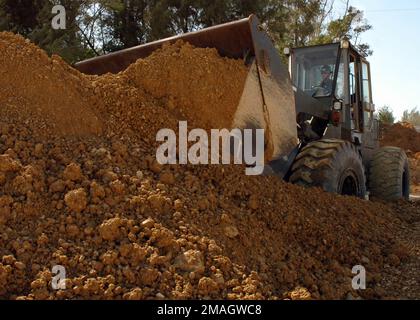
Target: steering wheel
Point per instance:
(318, 91)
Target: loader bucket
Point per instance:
(267, 101)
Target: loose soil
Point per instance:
(80, 187)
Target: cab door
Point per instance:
(355, 91)
(370, 126)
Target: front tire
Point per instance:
(333, 165)
(389, 177)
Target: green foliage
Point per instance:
(412, 117)
(20, 16)
(32, 19)
(386, 115)
(102, 26)
(312, 22)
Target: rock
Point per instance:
(148, 223)
(253, 202)
(350, 297)
(365, 260)
(110, 229)
(300, 294)
(73, 172)
(231, 232)
(20, 265)
(8, 164)
(97, 191)
(158, 202)
(57, 186)
(178, 205)
(155, 167)
(139, 175)
(160, 296)
(134, 295)
(394, 260)
(76, 200)
(167, 178)
(39, 150)
(190, 261)
(148, 276)
(117, 187)
(163, 237)
(207, 286)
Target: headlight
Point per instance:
(338, 106)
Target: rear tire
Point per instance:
(389, 177)
(333, 165)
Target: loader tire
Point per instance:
(333, 165)
(389, 175)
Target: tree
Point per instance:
(352, 25)
(32, 19)
(412, 117)
(386, 115)
(96, 27)
(20, 16)
(128, 23)
(313, 22)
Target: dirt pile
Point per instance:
(402, 135)
(406, 137)
(183, 79)
(402, 282)
(42, 93)
(125, 227)
(415, 173)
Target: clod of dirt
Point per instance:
(76, 200)
(190, 261)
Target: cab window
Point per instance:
(366, 83)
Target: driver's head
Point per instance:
(326, 72)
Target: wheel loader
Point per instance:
(318, 114)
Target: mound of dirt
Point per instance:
(124, 227)
(406, 137)
(197, 83)
(402, 135)
(42, 93)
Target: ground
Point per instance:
(402, 281)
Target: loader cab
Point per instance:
(333, 88)
(313, 67)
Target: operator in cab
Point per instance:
(326, 83)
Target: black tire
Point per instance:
(389, 175)
(333, 165)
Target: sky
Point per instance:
(395, 63)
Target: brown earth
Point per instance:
(401, 281)
(406, 137)
(80, 188)
(42, 93)
(183, 79)
(402, 135)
